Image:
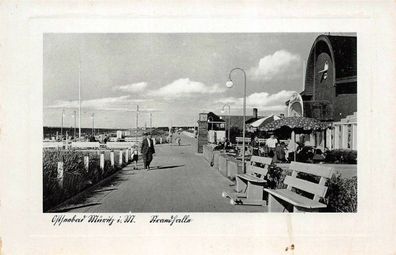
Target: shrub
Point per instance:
(276, 176)
(342, 194)
(340, 156)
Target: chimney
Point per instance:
(255, 113)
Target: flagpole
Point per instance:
(79, 95)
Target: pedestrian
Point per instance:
(280, 155)
(255, 146)
(271, 144)
(291, 149)
(135, 156)
(147, 150)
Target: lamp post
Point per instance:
(151, 122)
(63, 115)
(137, 123)
(230, 84)
(75, 120)
(79, 96)
(93, 124)
(229, 119)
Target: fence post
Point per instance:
(120, 158)
(160, 140)
(102, 162)
(59, 176)
(127, 155)
(112, 158)
(86, 163)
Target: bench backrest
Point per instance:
(253, 168)
(317, 189)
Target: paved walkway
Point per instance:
(181, 181)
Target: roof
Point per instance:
(237, 120)
(259, 122)
(345, 55)
(214, 118)
(343, 50)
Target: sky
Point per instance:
(173, 77)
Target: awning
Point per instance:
(295, 123)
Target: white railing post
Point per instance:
(102, 162)
(127, 155)
(86, 163)
(59, 176)
(120, 158)
(112, 158)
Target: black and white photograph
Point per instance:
(197, 127)
(200, 122)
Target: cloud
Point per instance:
(263, 101)
(121, 103)
(273, 66)
(134, 87)
(186, 88)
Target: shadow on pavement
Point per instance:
(103, 190)
(166, 167)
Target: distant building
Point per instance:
(236, 121)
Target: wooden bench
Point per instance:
(250, 186)
(281, 200)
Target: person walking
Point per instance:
(135, 156)
(271, 144)
(147, 150)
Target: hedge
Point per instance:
(75, 178)
(341, 156)
(341, 194)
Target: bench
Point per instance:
(250, 186)
(281, 200)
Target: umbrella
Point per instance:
(295, 123)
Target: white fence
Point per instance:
(52, 144)
(94, 145)
(119, 145)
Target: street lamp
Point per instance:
(93, 124)
(63, 115)
(137, 123)
(75, 120)
(229, 119)
(230, 84)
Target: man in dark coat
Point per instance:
(147, 150)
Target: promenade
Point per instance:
(180, 181)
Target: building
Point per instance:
(236, 121)
(330, 92)
(330, 89)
